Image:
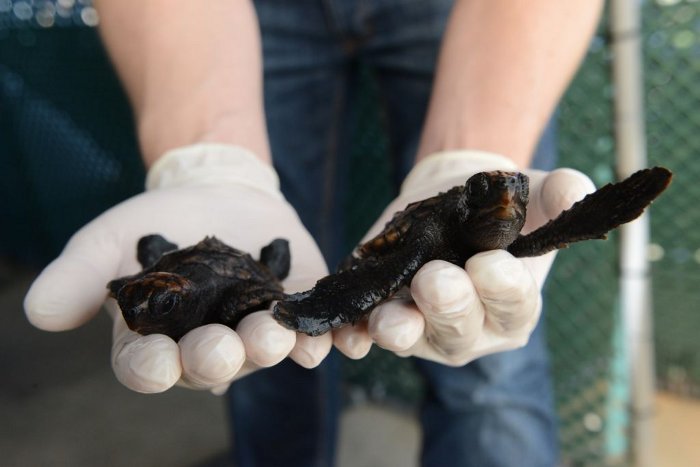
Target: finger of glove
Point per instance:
(553, 192)
(248, 368)
(221, 389)
(353, 341)
(508, 291)
(146, 364)
(310, 351)
(484, 341)
(452, 308)
(70, 290)
(266, 342)
(211, 356)
(218, 390)
(396, 325)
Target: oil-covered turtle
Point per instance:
(486, 213)
(210, 282)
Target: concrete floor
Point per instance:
(60, 405)
(677, 427)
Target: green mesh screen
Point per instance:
(672, 46)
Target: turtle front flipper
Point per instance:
(596, 214)
(348, 296)
(150, 249)
(240, 302)
(277, 258)
(115, 285)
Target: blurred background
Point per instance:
(67, 152)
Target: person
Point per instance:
(244, 113)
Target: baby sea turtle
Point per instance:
(210, 282)
(486, 213)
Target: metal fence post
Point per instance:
(634, 268)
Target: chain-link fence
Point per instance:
(672, 44)
(582, 290)
(584, 325)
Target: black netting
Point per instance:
(67, 145)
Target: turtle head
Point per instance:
(493, 208)
(157, 303)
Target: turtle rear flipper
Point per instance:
(277, 258)
(150, 249)
(596, 214)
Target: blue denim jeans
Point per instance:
(497, 411)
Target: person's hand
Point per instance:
(192, 192)
(454, 314)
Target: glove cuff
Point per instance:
(206, 164)
(450, 164)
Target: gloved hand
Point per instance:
(191, 192)
(492, 304)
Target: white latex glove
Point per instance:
(492, 304)
(192, 192)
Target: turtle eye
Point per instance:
(163, 304)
